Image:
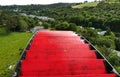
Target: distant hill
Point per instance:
(88, 4)
(112, 1)
(33, 6)
(59, 4)
(93, 4)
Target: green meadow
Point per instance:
(11, 45)
(89, 4)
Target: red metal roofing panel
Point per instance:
(61, 54)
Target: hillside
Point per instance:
(112, 1)
(93, 4)
(33, 7)
(89, 4)
(102, 17)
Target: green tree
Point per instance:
(114, 59)
(30, 22)
(46, 25)
(78, 20)
(62, 26)
(72, 27)
(117, 43)
(23, 25)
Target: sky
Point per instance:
(25, 2)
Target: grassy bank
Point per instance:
(10, 47)
(89, 4)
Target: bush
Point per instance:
(114, 59)
(62, 26)
(117, 43)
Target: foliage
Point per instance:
(23, 25)
(62, 26)
(46, 25)
(114, 59)
(103, 16)
(117, 43)
(13, 22)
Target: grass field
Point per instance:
(10, 48)
(112, 1)
(89, 4)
